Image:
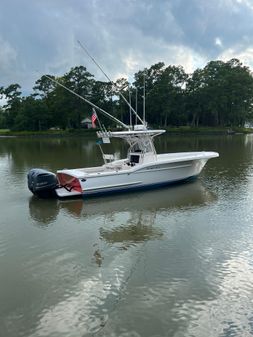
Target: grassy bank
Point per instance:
(208, 130)
(48, 133)
(88, 132)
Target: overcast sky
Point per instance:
(124, 36)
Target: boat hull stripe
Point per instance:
(112, 186)
(137, 187)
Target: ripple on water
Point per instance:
(85, 304)
(232, 303)
(3, 243)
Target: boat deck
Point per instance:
(123, 165)
(94, 171)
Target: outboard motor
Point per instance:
(42, 183)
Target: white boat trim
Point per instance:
(163, 168)
(111, 186)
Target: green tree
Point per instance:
(2, 119)
(44, 87)
(220, 94)
(195, 97)
(121, 110)
(165, 100)
(81, 82)
(32, 115)
(145, 80)
(12, 94)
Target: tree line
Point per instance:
(219, 95)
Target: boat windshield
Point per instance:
(136, 148)
(142, 144)
(138, 140)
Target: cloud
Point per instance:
(124, 37)
(8, 57)
(218, 42)
(244, 55)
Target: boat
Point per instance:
(143, 168)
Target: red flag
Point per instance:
(93, 118)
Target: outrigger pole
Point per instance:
(111, 82)
(90, 103)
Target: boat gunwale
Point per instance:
(111, 171)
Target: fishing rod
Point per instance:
(87, 101)
(110, 81)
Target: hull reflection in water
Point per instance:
(127, 224)
(178, 197)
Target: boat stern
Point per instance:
(70, 185)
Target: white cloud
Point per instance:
(218, 42)
(248, 3)
(8, 57)
(244, 55)
(123, 36)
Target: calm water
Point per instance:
(171, 262)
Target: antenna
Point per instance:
(130, 112)
(144, 93)
(87, 101)
(136, 103)
(111, 82)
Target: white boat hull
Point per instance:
(118, 177)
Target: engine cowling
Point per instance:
(42, 182)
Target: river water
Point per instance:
(171, 262)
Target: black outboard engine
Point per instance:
(42, 183)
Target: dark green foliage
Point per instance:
(220, 94)
(33, 115)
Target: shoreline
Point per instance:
(183, 130)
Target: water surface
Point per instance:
(170, 262)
